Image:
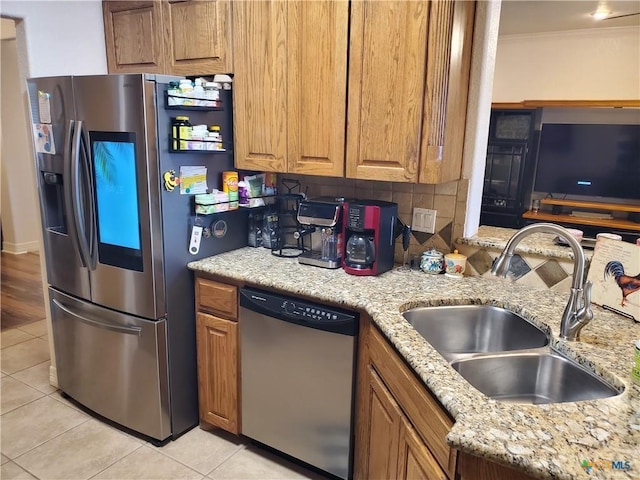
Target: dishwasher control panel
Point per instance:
(299, 311)
(314, 312)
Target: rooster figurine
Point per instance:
(626, 283)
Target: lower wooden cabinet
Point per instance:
(217, 354)
(415, 462)
(394, 449)
(400, 429)
(378, 446)
(217, 343)
(471, 467)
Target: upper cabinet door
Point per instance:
(133, 36)
(388, 47)
(260, 92)
(198, 39)
(317, 86)
(445, 106)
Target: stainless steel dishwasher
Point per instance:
(297, 365)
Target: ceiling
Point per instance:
(533, 16)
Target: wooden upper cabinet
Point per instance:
(408, 81)
(197, 38)
(260, 93)
(133, 36)
(386, 89)
(290, 86)
(191, 37)
(445, 108)
(403, 119)
(317, 86)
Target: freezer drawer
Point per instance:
(113, 364)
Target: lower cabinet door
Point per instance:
(415, 462)
(217, 344)
(379, 446)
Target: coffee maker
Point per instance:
(369, 236)
(323, 217)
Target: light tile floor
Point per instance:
(44, 436)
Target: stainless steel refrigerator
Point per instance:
(116, 244)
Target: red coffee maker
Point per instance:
(369, 236)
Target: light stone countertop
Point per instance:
(542, 244)
(546, 441)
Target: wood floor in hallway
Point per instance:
(21, 297)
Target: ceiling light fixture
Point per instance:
(601, 12)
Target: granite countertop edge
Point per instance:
(545, 441)
(540, 244)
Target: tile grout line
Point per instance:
(27, 403)
(116, 461)
(242, 447)
(27, 368)
(42, 443)
(158, 449)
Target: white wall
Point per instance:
(55, 38)
(595, 64)
(20, 220)
(52, 38)
(60, 37)
(485, 39)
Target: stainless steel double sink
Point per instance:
(505, 356)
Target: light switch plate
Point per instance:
(424, 220)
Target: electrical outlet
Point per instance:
(424, 220)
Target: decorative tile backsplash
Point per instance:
(534, 270)
(448, 199)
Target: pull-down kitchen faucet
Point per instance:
(578, 312)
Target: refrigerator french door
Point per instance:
(102, 216)
(116, 242)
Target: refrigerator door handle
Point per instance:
(95, 323)
(85, 160)
(76, 196)
(68, 189)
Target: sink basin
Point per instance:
(532, 377)
(457, 330)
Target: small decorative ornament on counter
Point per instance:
(432, 262)
(455, 264)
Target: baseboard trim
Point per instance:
(53, 376)
(20, 248)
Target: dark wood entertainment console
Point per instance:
(561, 216)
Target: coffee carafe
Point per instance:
(369, 233)
(361, 251)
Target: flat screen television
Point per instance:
(589, 160)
